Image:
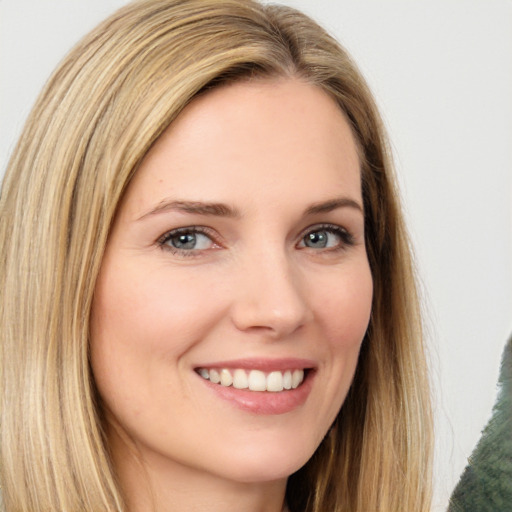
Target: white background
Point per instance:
(442, 75)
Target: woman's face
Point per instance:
(237, 254)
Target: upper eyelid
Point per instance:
(325, 225)
(348, 237)
(204, 230)
(217, 238)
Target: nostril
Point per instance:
(270, 297)
(277, 321)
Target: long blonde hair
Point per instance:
(97, 117)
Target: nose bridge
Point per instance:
(270, 296)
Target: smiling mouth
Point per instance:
(254, 380)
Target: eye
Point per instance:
(327, 237)
(187, 240)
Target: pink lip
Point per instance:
(264, 402)
(266, 365)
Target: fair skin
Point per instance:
(267, 274)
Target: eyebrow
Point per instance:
(194, 207)
(223, 210)
(333, 204)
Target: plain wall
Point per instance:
(442, 75)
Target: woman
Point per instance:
(164, 358)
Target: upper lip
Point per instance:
(264, 364)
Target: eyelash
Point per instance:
(347, 239)
(189, 230)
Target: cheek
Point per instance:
(345, 314)
(142, 326)
(139, 321)
(144, 310)
(342, 302)
(344, 308)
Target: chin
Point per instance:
(269, 472)
(272, 463)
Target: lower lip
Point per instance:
(265, 402)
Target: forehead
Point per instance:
(266, 136)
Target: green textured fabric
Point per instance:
(486, 483)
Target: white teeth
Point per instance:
(287, 379)
(240, 380)
(275, 381)
(255, 380)
(226, 379)
(214, 376)
(297, 378)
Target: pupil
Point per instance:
(186, 241)
(317, 239)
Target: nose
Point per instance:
(269, 297)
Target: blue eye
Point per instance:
(327, 237)
(319, 239)
(186, 240)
